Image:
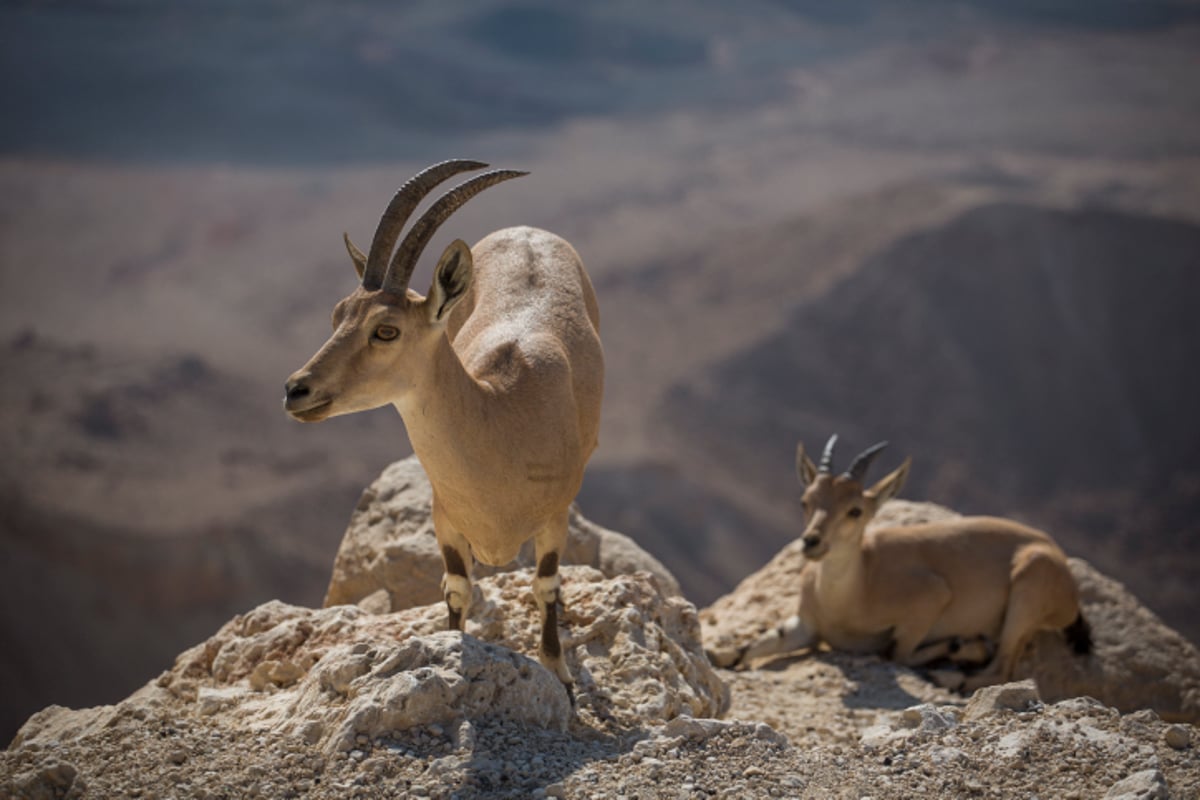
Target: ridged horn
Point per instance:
(405, 201)
(405, 260)
(862, 462)
(826, 465)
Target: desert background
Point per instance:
(970, 228)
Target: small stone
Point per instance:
(767, 733)
(556, 790)
(312, 731)
(59, 773)
(1145, 785)
(695, 729)
(178, 756)
(927, 719)
(377, 602)
(1019, 696)
(1178, 736)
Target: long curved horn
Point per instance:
(860, 465)
(405, 201)
(826, 465)
(405, 260)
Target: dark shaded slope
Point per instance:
(143, 501)
(89, 613)
(702, 536)
(1034, 362)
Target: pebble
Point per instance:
(1145, 785)
(1178, 736)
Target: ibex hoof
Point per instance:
(726, 658)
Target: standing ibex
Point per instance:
(497, 374)
(920, 591)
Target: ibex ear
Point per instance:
(890, 486)
(451, 279)
(805, 468)
(357, 256)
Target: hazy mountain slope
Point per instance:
(1033, 362)
(125, 549)
(119, 598)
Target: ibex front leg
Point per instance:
(456, 580)
(547, 591)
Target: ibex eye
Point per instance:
(386, 333)
(854, 512)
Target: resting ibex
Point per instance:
(497, 374)
(921, 592)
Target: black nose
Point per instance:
(810, 542)
(295, 390)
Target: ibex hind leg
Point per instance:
(963, 651)
(1041, 593)
(944, 661)
(547, 590)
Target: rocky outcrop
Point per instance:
(285, 701)
(330, 676)
(389, 560)
(1005, 743)
(1137, 661)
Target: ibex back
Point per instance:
(498, 375)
